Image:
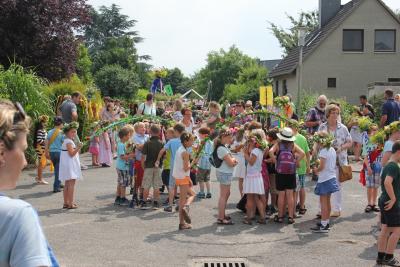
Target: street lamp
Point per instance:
(301, 37)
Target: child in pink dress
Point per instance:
(105, 152)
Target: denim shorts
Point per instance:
(224, 178)
(327, 187)
(300, 181)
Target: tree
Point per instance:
(222, 68)
(247, 84)
(84, 65)
(288, 39)
(115, 81)
(41, 34)
(176, 79)
(109, 23)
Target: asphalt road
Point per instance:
(100, 234)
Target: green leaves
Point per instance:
(288, 38)
(113, 80)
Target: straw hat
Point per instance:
(286, 135)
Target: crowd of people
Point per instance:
(271, 164)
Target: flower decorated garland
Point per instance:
(380, 137)
(325, 140)
(281, 101)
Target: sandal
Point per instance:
(290, 220)
(185, 226)
(72, 207)
(302, 211)
(375, 208)
(224, 222)
(228, 218)
(369, 208)
(247, 221)
(262, 221)
(278, 219)
(65, 206)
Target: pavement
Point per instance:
(101, 234)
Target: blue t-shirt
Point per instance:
(121, 164)
(139, 140)
(173, 146)
(392, 109)
(57, 143)
(22, 242)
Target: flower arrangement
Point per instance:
(364, 123)
(258, 142)
(199, 150)
(69, 126)
(326, 140)
(130, 147)
(379, 138)
(281, 101)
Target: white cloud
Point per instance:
(180, 33)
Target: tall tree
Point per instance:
(288, 38)
(41, 34)
(222, 68)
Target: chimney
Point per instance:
(327, 10)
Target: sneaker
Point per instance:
(391, 262)
(208, 195)
(329, 226)
(57, 190)
(124, 202)
(168, 209)
(117, 201)
(320, 229)
(156, 205)
(201, 195)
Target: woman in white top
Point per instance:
(70, 168)
(253, 185)
(327, 182)
(148, 107)
(22, 241)
(224, 173)
(187, 120)
(181, 173)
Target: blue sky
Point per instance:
(180, 33)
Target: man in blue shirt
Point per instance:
(390, 109)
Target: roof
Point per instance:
(289, 64)
(270, 64)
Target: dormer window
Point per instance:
(353, 40)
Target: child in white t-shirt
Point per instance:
(327, 183)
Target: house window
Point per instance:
(277, 87)
(353, 40)
(331, 82)
(385, 40)
(284, 87)
(394, 80)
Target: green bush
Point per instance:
(308, 99)
(114, 81)
(21, 85)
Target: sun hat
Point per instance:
(286, 135)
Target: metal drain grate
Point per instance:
(219, 262)
(224, 264)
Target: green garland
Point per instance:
(261, 113)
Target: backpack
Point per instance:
(286, 161)
(214, 159)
